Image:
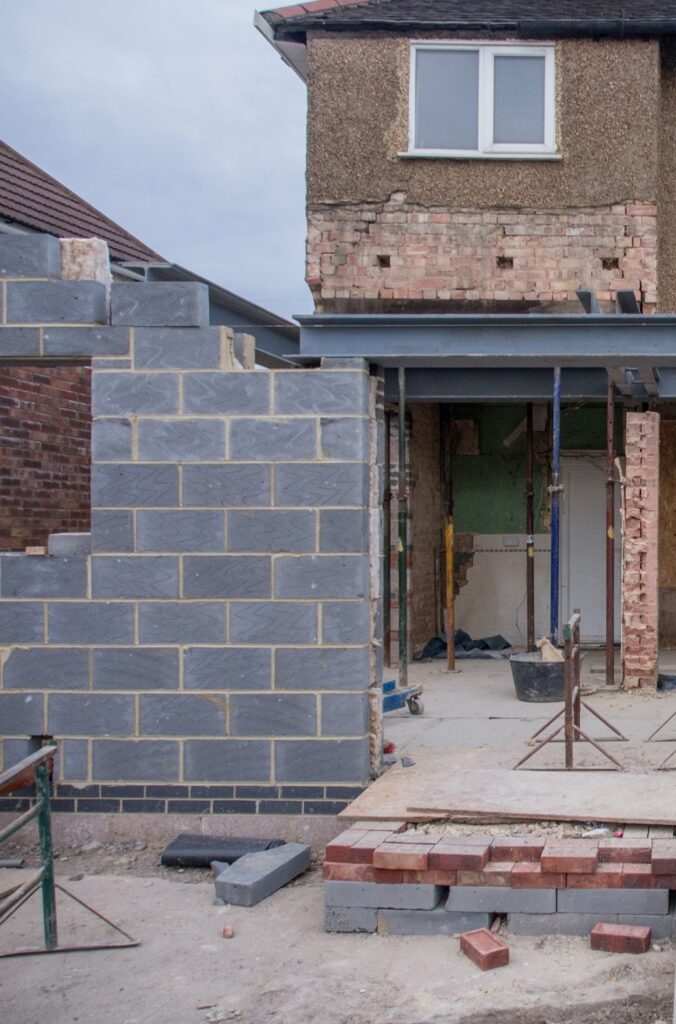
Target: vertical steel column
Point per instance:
(402, 540)
(449, 541)
(555, 491)
(387, 547)
(610, 535)
(530, 533)
(46, 855)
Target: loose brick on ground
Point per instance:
(484, 949)
(517, 848)
(257, 875)
(574, 856)
(620, 938)
(625, 851)
(531, 876)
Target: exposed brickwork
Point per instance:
(45, 421)
(403, 251)
(640, 551)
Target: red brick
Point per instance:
(430, 877)
(338, 849)
(338, 872)
(620, 938)
(362, 851)
(422, 838)
(388, 877)
(457, 855)
(495, 873)
(411, 857)
(625, 851)
(531, 876)
(573, 856)
(484, 949)
(640, 876)
(606, 876)
(664, 857)
(370, 825)
(517, 848)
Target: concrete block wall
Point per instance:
(216, 649)
(640, 551)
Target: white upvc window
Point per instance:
(482, 100)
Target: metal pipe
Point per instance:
(387, 547)
(402, 540)
(555, 491)
(449, 536)
(530, 533)
(46, 856)
(610, 535)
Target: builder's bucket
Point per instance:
(536, 680)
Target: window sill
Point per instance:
(440, 154)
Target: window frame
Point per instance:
(487, 149)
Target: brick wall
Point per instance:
(640, 551)
(215, 651)
(404, 251)
(45, 421)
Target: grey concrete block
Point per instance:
(180, 531)
(134, 393)
(22, 622)
(135, 760)
(239, 393)
(227, 576)
(86, 715)
(111, 440)
(322, 761)
(94, 622)
(350, 919)
(383, 895)
(135, 668)
(106, 363)
(181, 622)
(169, 348)
(134, 576)
(273, 714)
(30, 255)
(86, 341)
(74, 758)
(255, 876)
(227, 668)
(343, 529)
(613, 901)
(344, 363)
(184, 715)
(227, 760)
(181, 440)
(273, 622)
(226, 485)
(345, 714)
(308, 484)
(22, 714)
(112, 530)
(308, 391)
(333, 668)
(52, 302)
(499, 899)
(160, 304)
(134, 486)
(346, 622)
(43, 668)
(16, 749)
(42, 576)
(346, 439)
(274, 531)
(69, 543)
(19, 341)
(317, 576)
(582, 924)
(430, 922)
(269, 440)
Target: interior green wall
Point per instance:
(489, 489)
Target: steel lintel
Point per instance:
(505, 385)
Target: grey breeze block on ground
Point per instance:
(661, 925)
(257, 875)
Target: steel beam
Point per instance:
(504, 385)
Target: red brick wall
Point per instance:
(45, 424)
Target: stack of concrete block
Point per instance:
(410, 882)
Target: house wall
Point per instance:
(444, 223)
(216, 652)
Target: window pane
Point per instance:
(519, 99)
(447, 99)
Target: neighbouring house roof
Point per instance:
(31, 198)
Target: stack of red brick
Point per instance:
(388, 853)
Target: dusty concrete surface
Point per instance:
(281, 967)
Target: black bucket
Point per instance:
(536, 680)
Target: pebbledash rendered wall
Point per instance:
(216, 651)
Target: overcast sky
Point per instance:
(175, 118)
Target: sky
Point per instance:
(176, 119)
